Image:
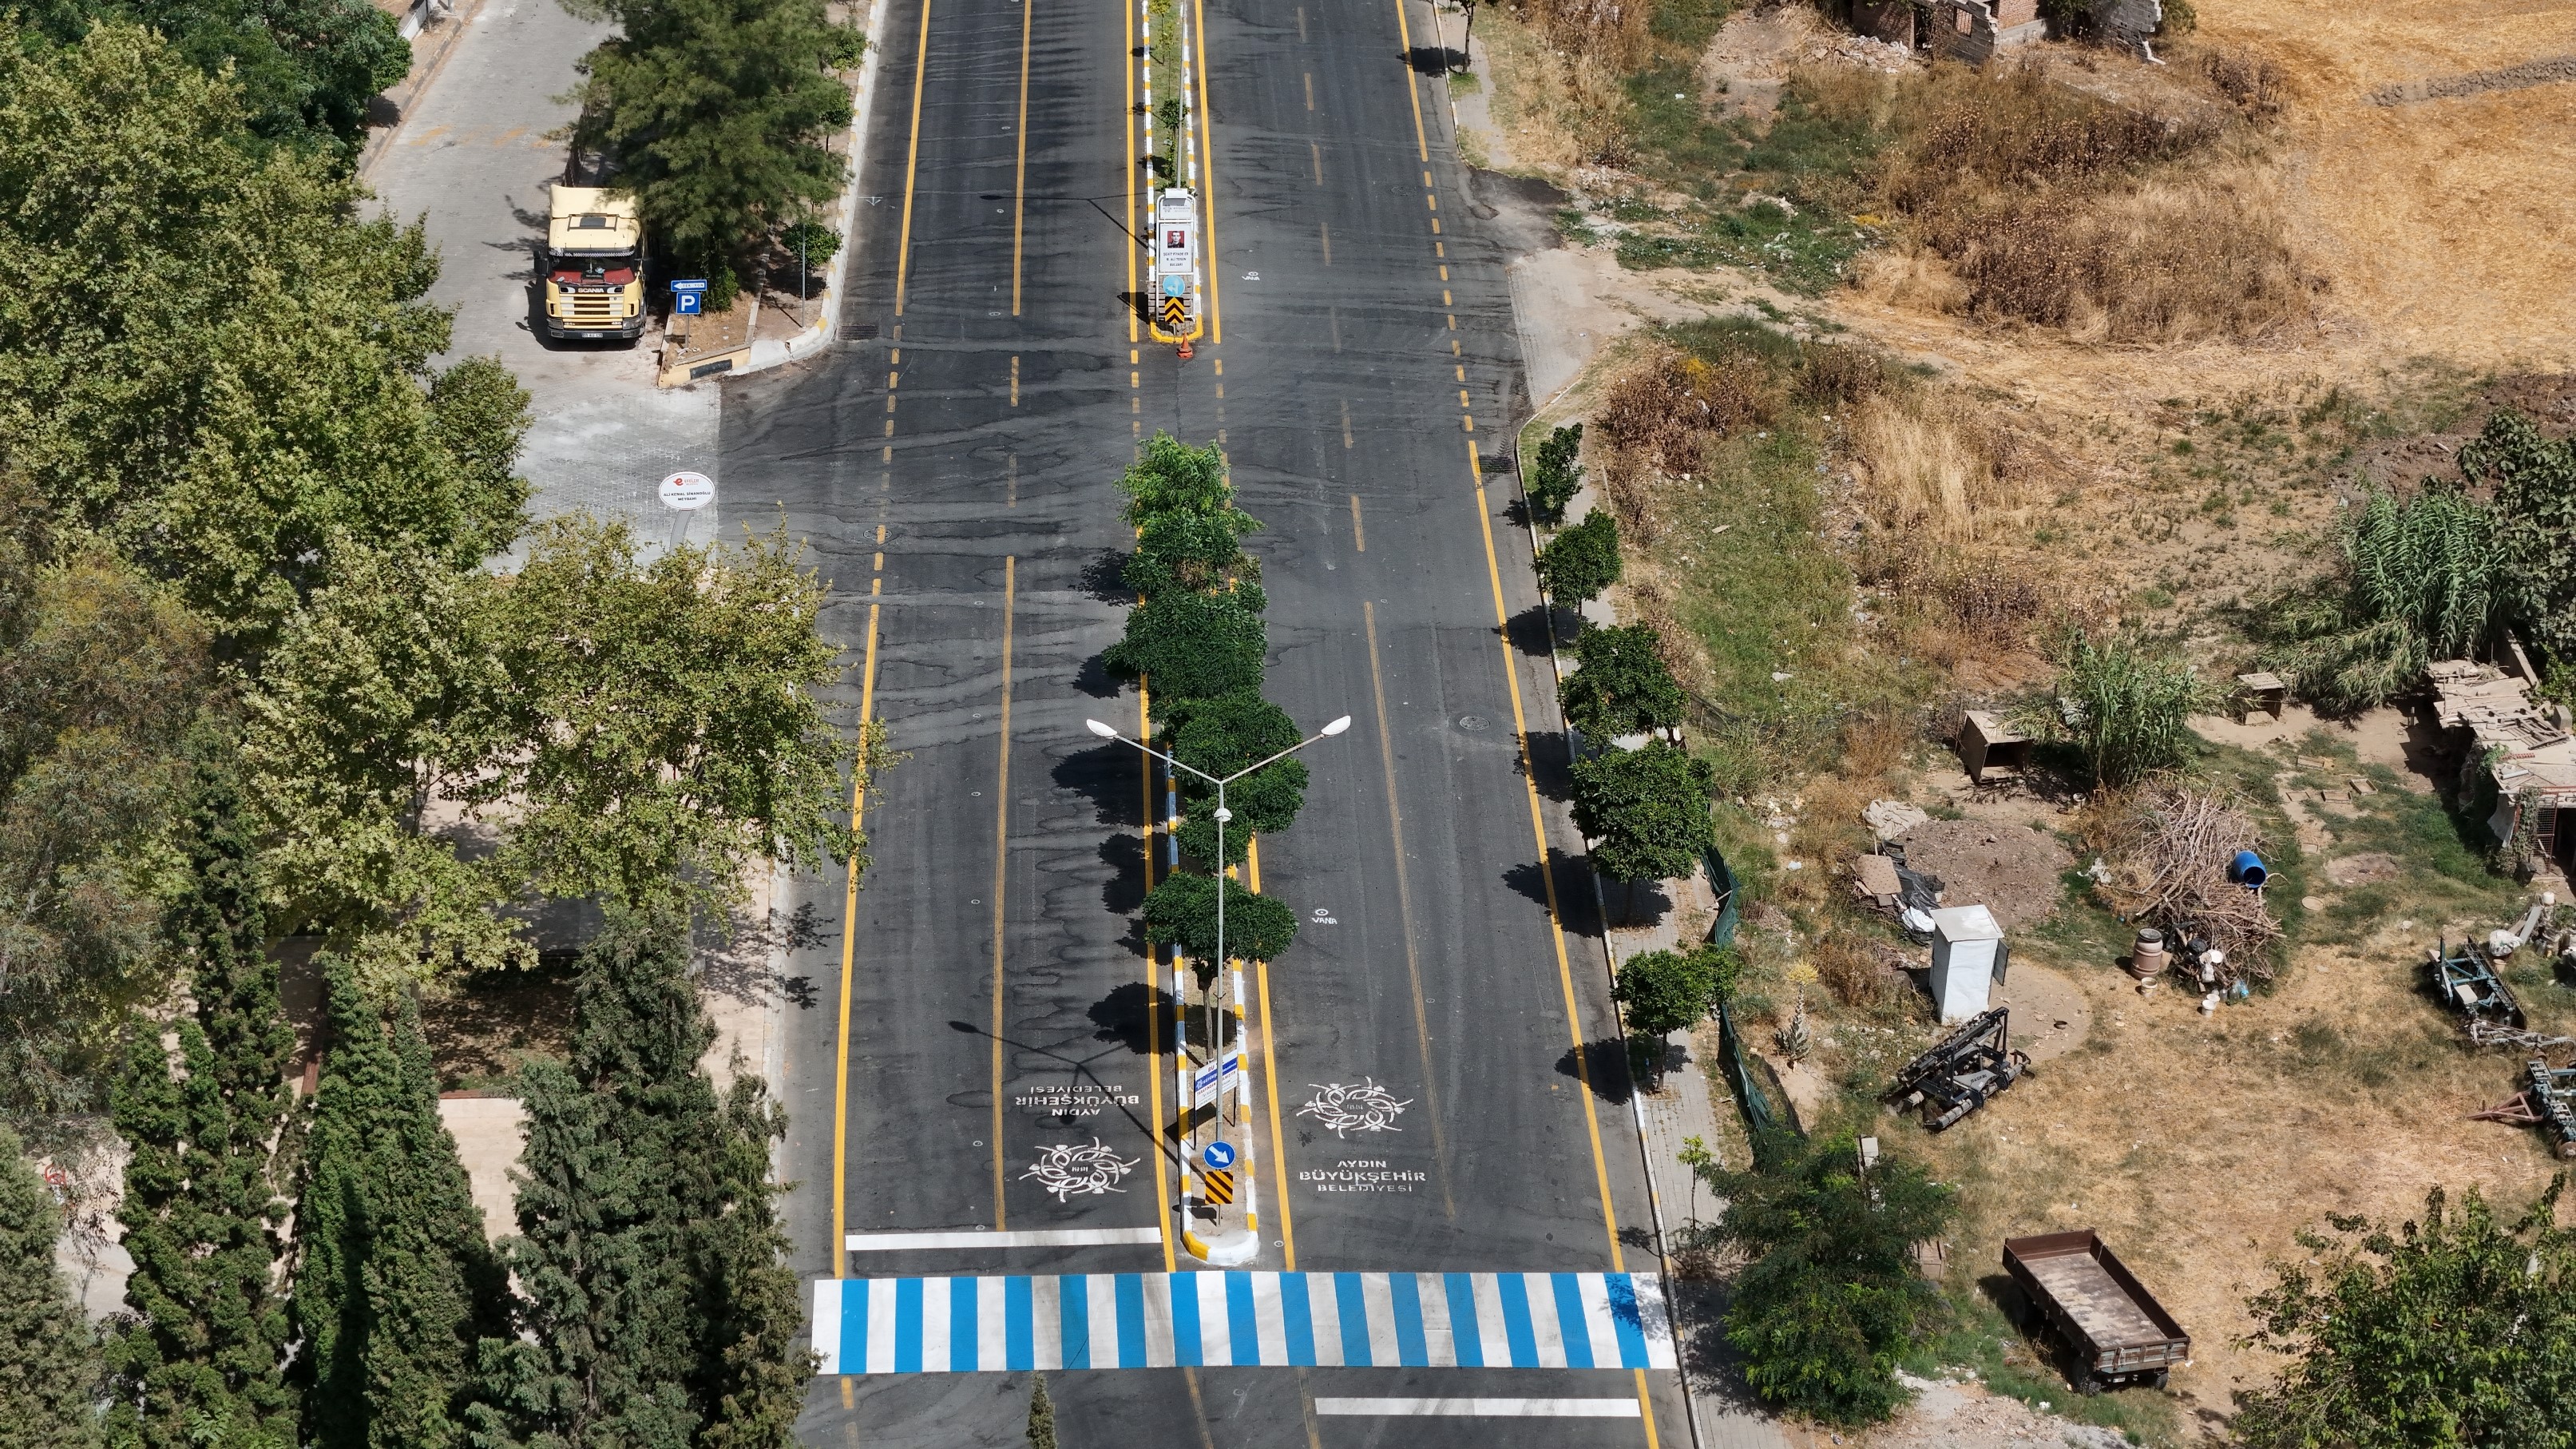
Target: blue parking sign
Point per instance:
(688, 304)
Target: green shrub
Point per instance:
(1580, 562)
(1171, 477)
(1557, 475)
(1192, 551)
(2420, 582)
(1645, 811)
(1831, 1300)
(1662, 992)
(2132, 708)
(1623, 687)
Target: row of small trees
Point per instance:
(1196, 639)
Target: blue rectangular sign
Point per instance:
(688, 304)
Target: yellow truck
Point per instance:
(593, 267)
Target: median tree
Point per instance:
(1195, 551)
(1623, 686)
(1831, 1299)
(716, 115)
(1171, 478)
(2458, 1327)
(1557, 474)
(1662, 992)
(1181, 913)
(1192, 646)
(1645, 812)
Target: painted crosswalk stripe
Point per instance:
(1022, 1322)
(1482, 1408)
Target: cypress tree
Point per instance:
(395, 1283)
(201, 1362)
(655, 1310)
(49, 1366)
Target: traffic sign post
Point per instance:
(1176, 263)
(689, 297)
(1218, 1154)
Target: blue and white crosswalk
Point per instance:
(1215, 1320)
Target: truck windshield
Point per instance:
(614, 268)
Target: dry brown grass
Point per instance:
(1656, 417)
(1557, 108)
(1925, 466)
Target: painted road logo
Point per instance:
(1082, 1099)
(1361, 1175)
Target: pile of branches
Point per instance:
(2168, 849)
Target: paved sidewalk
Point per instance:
(473, 156)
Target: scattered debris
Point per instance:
(2015, 871)
(2521, 745)
(2549, 1103)
(1960, 1073)
(1987, 743)
(2466, 979)
(2172, 851)
(1892, 818)
(2485, 1033)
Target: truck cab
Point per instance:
(593, 267)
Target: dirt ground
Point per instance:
(2010, 868)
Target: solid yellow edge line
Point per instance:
(1207, 185)
(849, 949)
(1001, 878)
(1129, 126)
(1153, 1018)
(1555, 919)
(1270, 1077)
(1020, 179)
(1404, 37)
(912, 159)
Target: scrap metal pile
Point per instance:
(2169, 850)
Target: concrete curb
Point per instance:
(777, 353)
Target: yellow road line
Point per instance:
(1153, 1018)
(912, 159)
(1359, 536)
(1001, 876)
(1404, 906)
(1207, 184)
(1413, 93)
(849, 949)
(1555, 917)
(1125, 123)
(1270, 1076)
(1020, 180)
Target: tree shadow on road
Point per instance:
(1606, 1063)
(1136, 1016)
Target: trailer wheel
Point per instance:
(2163, 1378)
(2089, 1385)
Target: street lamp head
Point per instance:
(1102, 730)
(1339, 725)
(1223, 815)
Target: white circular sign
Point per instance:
(688, 491)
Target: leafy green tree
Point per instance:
(1192, 646)
(1831, 1299)
(717, 113)
(1193, 551)
(49, 1364)
(1581, 561)
(654, 1308)
(208, 360)
(663, 724)
(1557, 475)
(1645, 811)
(1221, 736)
(1662, 992)
(2133, 707)
(632, 732)
(202, 1359)
(2534, 478)
(100, 674)
(394, 1283)
(2456, 1329)
(306, 68)
(1623, 687)
(1181, 913)
(1169, 477)
(1041, 1416)
(2420, 581)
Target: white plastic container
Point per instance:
(1967, 960)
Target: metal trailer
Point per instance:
(1962, 1071)
(2118, 1332)
(2466, 981)
(2547, 1101)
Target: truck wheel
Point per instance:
(2089, 1385)
(2163, 1378)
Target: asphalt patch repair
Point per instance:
(2012, 870)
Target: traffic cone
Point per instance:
(1185, 349)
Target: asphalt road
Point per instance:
(1361, 357)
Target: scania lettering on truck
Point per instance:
(594, 267)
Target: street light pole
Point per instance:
(1216, 1043)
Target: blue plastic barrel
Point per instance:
(2247, 870)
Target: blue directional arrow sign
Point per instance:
(688, 298)
(1176, 286)
(1219, 1155)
